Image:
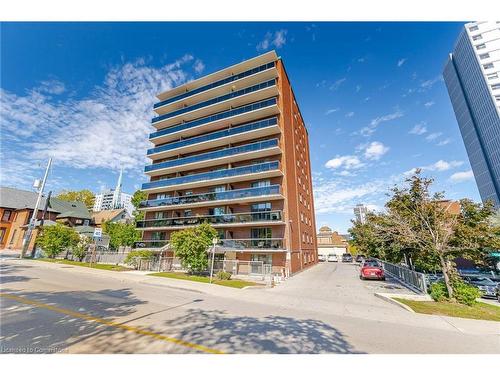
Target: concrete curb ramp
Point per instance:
(389, 297)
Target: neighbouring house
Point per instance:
(120, 215)
(330, 242)
(17, 207)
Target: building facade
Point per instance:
(108, 200)
(360, 212)
(472, 76)
(17, 207)
(330, 242)
(231, 149)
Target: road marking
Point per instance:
(110, 323)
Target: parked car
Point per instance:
(347, 258)
(372, 269)
(497, 292)
(485, 285)
(321, 257)
(360, 258)
(333, 258)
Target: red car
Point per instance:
(371, 269)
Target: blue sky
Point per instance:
(371, 93)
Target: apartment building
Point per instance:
(231, 149)
(472, 76)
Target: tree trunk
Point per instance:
(446, 276)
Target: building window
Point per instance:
(492, 75)
(301, 217)
(188, 213)
(488, 66)
(260, 183)
(497, 98)
(496, 86)
(481, 46)
(484, 56)
(6, 215)
(477, 37)
(217, 211)
(13, 237)
(261, 207)
(473, 28)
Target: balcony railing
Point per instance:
(253, 243)
(240, 218)
(216, 84)
(219, 99)
(213, 196)
(150, 244)
(215, 135)
(214, 155)
(219, 116)
(230, 172)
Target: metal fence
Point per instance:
(416, 281)
(106, 257)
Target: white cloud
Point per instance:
(198, 66)
(462, 176)
(401, 61)
(347, 162)
(336, 85)
(332, 110)
(375, 150)
(52, 86)
(349, 114)
(430, 82)
(434, 136)
(419, 129)
(442, 165)
(444, 142)
(429, 104)
(374, 123)
(276, 39)
(391, 116)
(106, 129)
(358, 88)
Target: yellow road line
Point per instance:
(110, 323)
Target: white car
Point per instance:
(333, 258)
(321, 257)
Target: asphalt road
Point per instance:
(47, 308)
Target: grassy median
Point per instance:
(480, 310)
(99, 266)
(205, 279)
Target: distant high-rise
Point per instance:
(360, 212)
(472, 77)
(111, 199)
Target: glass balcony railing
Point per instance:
(212, 196)
(149, 244)
(214, 155)
(219, 99)
(252, 243)
(231, 172)
(240, 218)
(219, 116)
(216, 84)
(215, 135)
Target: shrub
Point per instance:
(466, 293)
(438, 291)
(133, 257)
(223, 275)
(80, 250)
(55, 239)
(190, 246)
(463, 293)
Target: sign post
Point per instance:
(214, 242)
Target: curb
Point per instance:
(388, 298)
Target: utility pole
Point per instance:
(31, 225)
(47, 200)
(214, 242)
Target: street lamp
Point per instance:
(214, 242)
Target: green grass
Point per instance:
(204, 279)
(107, 267)
(480, 310)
